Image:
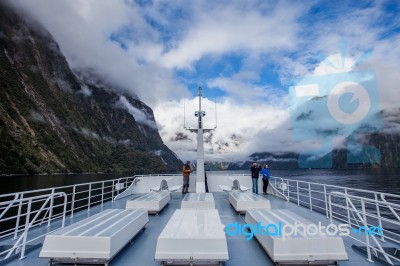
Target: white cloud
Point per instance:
(244, 128)
(140, 116)
(225, 28)
(83, 28)
(143, 48)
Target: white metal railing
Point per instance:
(367, 220)
(44, 203)
(79, 197)
(315, 195)
(379, 209)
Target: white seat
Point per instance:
(164, 186)
(192, 236)
(297, 249)
(154, 202)
(242, 201)
(235, 186)
(96, 239)
(175, 188)
(198, 201)
(225, 188)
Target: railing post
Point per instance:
(378, 212)
(73, 201)
(90, 195)
(366, 231)
(309, 195)
(330, 207)
(18, 215)
(65, 210)
(51, 207)
(298, 195)
(102, 193)
(112, 191)
(288, 190)
(326, 202)
(347, 208)
(28, 213)
(119, 181)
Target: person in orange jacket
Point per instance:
(186, 170)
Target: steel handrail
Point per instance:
(340, 187)
(304, 189)
(28, 223)
(390, 207)
(9, 205)
(362, 218)
(98, 187)
(68, 186)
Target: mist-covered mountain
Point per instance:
(386, 141)
(276, 161)
(55, 120)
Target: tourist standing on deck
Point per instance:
(255, 173)
(186, 173)
(265, 177)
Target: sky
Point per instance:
(256, 62)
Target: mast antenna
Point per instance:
(200, 178)
(215, 109)
(184, 113)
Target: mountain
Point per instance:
(55, 120)
(286, 160)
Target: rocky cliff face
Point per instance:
(55, 120)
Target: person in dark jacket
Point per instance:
(255, 173)
(265, 177)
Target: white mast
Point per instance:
(200, 178)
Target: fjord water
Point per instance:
(382, 180)
(11, 184)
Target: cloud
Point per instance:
(140, 116)
(237, 26)
(248, 53)
(35, 116)
(84, 28)
(240, 129)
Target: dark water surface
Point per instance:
(10, 184)
(383, 180)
